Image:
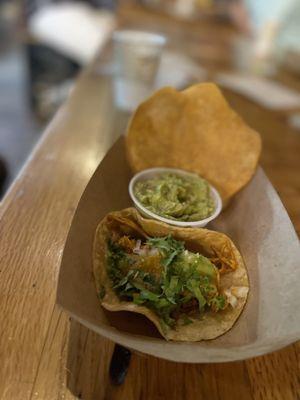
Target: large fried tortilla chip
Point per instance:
(209, 243)
(195, 130)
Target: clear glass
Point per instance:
(136, 60)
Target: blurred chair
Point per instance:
(62, 37)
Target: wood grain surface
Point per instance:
(43, 354)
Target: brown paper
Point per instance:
(259, 226)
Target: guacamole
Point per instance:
(177, 197)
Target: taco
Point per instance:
(191, 283)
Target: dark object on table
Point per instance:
(119, 364)
(49, 71)
(3, 176)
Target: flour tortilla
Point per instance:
(129, 221)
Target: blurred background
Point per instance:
(250, 46)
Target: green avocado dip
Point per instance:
(176, 197)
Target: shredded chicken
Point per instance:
(127, 244)
(224, 259)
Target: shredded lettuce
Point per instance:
(101, 293)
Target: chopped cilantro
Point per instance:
(218, 303)
(101, 293)
(186, 320)
(168, 246)
(184, 277)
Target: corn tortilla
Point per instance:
(195, 130)
(204, 241)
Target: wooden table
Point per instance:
(44, 355)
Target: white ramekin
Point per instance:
(151, 173)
